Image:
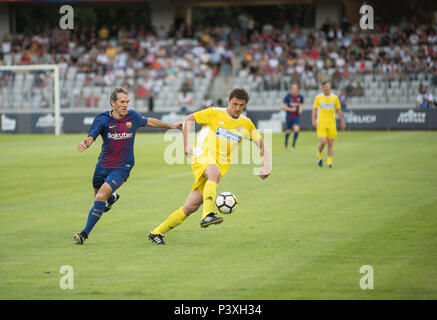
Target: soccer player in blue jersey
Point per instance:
(117, 128)
(293, 104)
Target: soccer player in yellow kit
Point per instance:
(325, 106)
(222, 131)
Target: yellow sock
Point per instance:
(329, 161)
(209, 193)
(319, 155)
(173, 220)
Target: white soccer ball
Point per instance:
(226, 202)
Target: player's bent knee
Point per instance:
(216, 177)
(104, 192)
(213, 173)
(101, 197)
(190, 208)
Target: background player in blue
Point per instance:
(117, 128)
(293, 104)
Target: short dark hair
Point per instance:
(239, 93)
(324, 82)
(114, 94)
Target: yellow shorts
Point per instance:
(199, 178)
(329, 132)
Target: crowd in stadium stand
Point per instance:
(334, 52)
(397, 52)
(107, 55)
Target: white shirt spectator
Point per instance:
(267, 28)
(158, 86)
(385, 67)
(251, 24)
(220, 49)
(392, 50)
(340, 62)
(109, 78)
(347, 40)
(257, 56)
(149, 84)
(424, 100)
(130, 72)
(432, 39)
(333, 55)
(185, 101)
(226, 29)
(120, 60)
(243, 20)
(414, 39)
(119, 73)
(309, 80)
(71, 46)
(278, 49)
(102, 58)
(144, 44)
(6, 47)
(206, 103)
(406, 58)
(62, 68)
(273, 62)
(198, 51)
(320, 63)
(300, 68)
(137, 64)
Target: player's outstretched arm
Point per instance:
(284, 107)
(301, 108)
(313, 117)
(85, 143)
(186, 126)
(266, 168)
(342, 123)
(155, 123)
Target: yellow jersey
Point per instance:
(220, 135)
(326, 106)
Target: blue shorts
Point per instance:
(291, 122)
(114, 177)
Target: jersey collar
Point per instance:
(118, 120)
(226, 111)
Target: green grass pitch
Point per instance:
(303, 233)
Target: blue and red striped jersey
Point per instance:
(118, 138)
(292, 101)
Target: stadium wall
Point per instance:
(363, 119)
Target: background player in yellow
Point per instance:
(323, 118)
(223, 129)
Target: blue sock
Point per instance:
(295, 138)
(94, 216)
(287, 135)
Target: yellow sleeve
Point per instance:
(204, 116)
(253, 132)
(316, 102)
(337, 103)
